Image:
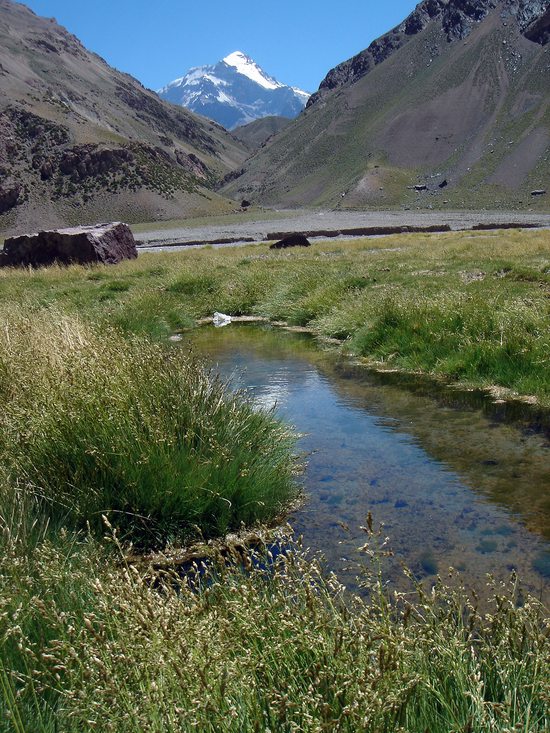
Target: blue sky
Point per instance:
(297, 41)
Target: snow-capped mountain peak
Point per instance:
(234, 91)
(249, 68)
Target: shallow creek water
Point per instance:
(454, 481)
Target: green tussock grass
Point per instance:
(95, 424)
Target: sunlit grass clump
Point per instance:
(96, 424)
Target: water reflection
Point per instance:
(453, 485)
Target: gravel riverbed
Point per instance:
(248, 230)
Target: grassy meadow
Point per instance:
(115, 442)
(465, 306)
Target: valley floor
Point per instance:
(257, 224)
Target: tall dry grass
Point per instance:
(277, 647)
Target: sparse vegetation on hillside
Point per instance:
(442, 102)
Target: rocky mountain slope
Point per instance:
(451, 108)
(257, 133)
(234, 92)
(81, 142)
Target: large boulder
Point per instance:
(293, 240)
(107, 243)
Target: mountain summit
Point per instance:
(234, 92)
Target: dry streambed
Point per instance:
(329, 224)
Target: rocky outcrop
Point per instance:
(9, 197)
(456, 18)
(35, 151)
(106, 243)
(527, 12)
(231, 176)
(86, 161)
(27, 138)
(36, 130)
(192, 164)
(539, 30)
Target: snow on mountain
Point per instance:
(234, 92)
(249, 68)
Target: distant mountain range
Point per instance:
(449, 109)
(81, 142)
(234, 92)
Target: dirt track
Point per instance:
(330, 221)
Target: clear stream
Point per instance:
(453, 479)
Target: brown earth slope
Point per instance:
(80, 141)
(450, 109)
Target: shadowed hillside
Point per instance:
(80, 141)
(256, 133)
(451, 108)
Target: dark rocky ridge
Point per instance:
(257, 133)
(539, 30)
(456, 18)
